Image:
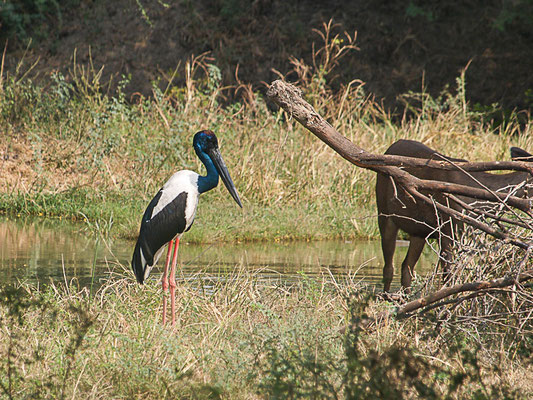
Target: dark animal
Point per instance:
(396, 210)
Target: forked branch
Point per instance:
(436, 299)
(433, 298)
(290, 99)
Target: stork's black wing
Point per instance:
(158, 230)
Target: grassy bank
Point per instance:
(244, 338)
(70, 150)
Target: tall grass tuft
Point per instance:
(239, 337)
(71, 149)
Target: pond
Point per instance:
(44, 250)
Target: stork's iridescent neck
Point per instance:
(205, 145)
(209, 181)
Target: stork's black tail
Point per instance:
(138, 263)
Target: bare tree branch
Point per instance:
(487, 214)
(414, 305)
(290, 99)
(471, 221)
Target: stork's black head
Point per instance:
(205, 144)
(204, 141)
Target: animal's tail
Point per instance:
(138, 263)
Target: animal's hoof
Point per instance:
(393, 297)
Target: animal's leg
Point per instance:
(172, 283)
(445, 258)
(164, 281)
(388, 231)
(416, 245)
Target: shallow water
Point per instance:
(45, 250)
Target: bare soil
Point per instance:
(404, 45)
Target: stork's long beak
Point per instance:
(224, 174)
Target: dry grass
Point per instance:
(238, 336)
(69, 148)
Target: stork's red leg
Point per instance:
(172, 283)
(164, 281)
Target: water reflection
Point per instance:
(41, 250)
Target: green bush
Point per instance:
(23, 18)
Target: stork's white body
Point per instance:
(161, 216)
(181, 181)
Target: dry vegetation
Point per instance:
(71, 150)
(244, 337)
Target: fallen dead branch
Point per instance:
(485, 286)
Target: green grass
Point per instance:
(217, 219)
(71, 151)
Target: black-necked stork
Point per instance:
(171, 213)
